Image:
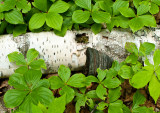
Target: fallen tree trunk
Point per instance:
(66, 50)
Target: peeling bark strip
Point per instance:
(65, 50)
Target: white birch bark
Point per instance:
(65, 50)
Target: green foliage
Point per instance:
(31, 94)
(52, 14)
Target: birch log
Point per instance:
(65, 50)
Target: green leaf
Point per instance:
(154, 89)
(40, 4)
(31, 55)
(133, 24)
(35, 109)
(70, 93)
(91, 94)
(138, 99)
(143, 8)
(101, 92)
(24, 5)
(17, 57)
(158, 72)
(19, 29)
(17, 81)
(114, 94)
(96, 28)
(118, 4)
(80, 102)
(142, 109)
(56, 82)
(127, 12)
(37, 21)
(42, 95)
(38, 64)
(58, 105)
(106, 5)
(64, 73)
(42, 107)
(101, 17)
(136, 67)
(125, 72)
(54, 20)
(156, 58)
(32, 77)
(7, 5)
(21, 70)
(102, 106)
(101, 74)
(63, 31)
(80, 16)
(86, 4)
(131, 47)
(111, 82)
(14, 97)
(26, 106)
(154, 8)
(126, 109)
(156, 2)
(146, 48)
(77, 80)
(118, 105)
(90, 79)
(14, 17)
(136, 3)
(132, 59)
(59, 7)
(141, 79)
(148, 20)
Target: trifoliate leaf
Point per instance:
(133, 24)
